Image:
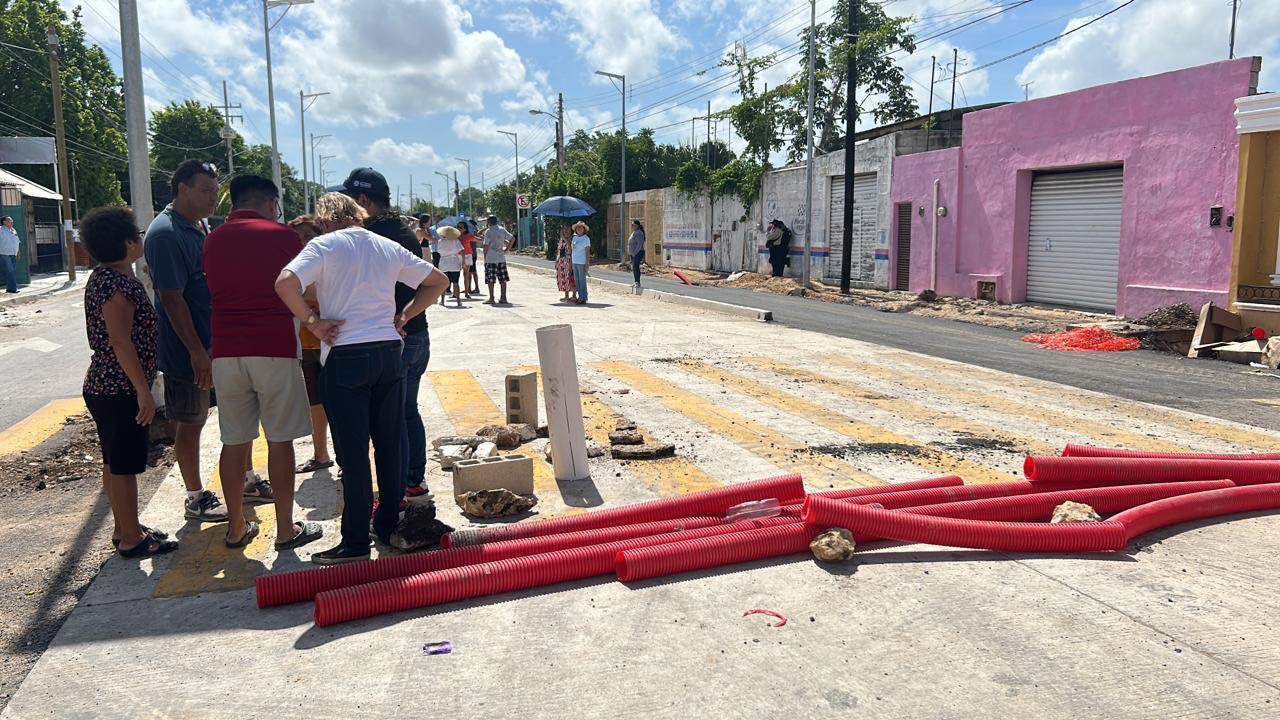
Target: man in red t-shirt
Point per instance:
(256, 371)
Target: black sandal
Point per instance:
(307, 532)
(250, 532)
(151, 545)
(157, 534)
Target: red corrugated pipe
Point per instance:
(930, 496)
(979, 534)
(925, 484)
(1128, 471)
(1185, 508)
(1091, 451)
(707, 502)
(488, 578)
(291, 587)
(687, 555)
(1040, 506)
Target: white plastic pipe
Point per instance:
(559, 365)
(933, 266)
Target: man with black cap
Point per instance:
(371, 192)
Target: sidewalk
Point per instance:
(45, 285)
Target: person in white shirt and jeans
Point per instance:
(9, 254)
(355, 272)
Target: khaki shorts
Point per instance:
(253, 390)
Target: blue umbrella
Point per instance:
(564, 206)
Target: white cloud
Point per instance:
(388, 151)
(1148, 38)
(486, 130)
(381, 70)
(620, 36)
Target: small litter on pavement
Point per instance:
(782, 620)
(437, 648)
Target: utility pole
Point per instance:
(955, 66)
(1235, 12)
(315, 139)
(560, 131)
(75, 189)
(227, 133)
(470, 204)
(410, 192)
(851, 121)
(135, 121)
(808, 152)
(928, 129)
(708, 134)
(303, 106)
(457, 195)
(61, 139)
(1026, 90)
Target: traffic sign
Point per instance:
(522, 202)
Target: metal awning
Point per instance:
(29, 188)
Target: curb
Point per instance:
(29, 295)
(669, 297)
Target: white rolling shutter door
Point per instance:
(1074, 252)
(863, 267)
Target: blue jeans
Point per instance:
(9, 266)
(363, 393)
(413, 436)
(580, 279)
(635, 265)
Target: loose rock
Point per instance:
(594, 450)
(834, 545)
(495, 503)
(624, 425)
(528, 433)
(651, 451)
(626, 437)
(485, 450)
(468, 440)
(1069, 512)
(504, 436)
(419, 527)
(449, 454)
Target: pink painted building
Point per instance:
(1116, 198)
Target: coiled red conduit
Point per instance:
(979, 534)
(687, 555)
(930, 496)
(925, 484)
(1091, 451)
(1184, 508)
(1128, 471)
(488, 578)
(1040, 506)
(291, 587)
(707, 502)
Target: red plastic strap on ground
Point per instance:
(926, 495)
(1128, 471)
(707, 502)
(979, 534)
(1091, 451)
(1093, 337)
(300, 585)
(1040, 506)
(782, 620)
(488, 578)
(1184, 508)
(697, 554)
(925, 484)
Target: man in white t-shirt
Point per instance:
(497, 241)
(355, 273)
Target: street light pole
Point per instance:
(271, 90)
(324, 174)
(622, 223)
(60, 137)
(805, 269)
(515, 137)
(303, 105)
(314, 139)
(470, 204)
(135, 120)
(446, 191)
(559, 118)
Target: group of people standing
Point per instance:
(232, 309)
(454, 250)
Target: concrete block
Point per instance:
(522, 398)
(512, 472)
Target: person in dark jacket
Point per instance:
(635, 249)
(778, 241)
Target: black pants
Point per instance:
(363, 392)
(635, 265)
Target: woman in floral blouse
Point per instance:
(121, 324)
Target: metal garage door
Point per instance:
(863, 267)
(1074, 253)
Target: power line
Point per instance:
(1037, 46)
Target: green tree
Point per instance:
(766, 119)
(93, 103)
(188, 130)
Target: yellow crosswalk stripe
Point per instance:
(668, 476)
(1098, 432)
(203, 563)
(1196, 425)
(917, 412)
(777, 448)
(857, 430)
(470, 408)
(39, 426)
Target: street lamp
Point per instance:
(559, 118)
(515, 138)
(303, 105)
(267, 26)
(446, 191)
(470, 205)
(808, 152)
(324, 174)
(431, 193)
(315, 139)
(622, 226)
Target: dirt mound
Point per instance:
(767, 283)
(1173, 316)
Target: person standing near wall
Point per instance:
(9, 255)
(778, 241)
(635, 248)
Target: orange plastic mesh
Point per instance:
(1092, 338)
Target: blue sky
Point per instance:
(416, 84)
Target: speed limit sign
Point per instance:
(522, 202)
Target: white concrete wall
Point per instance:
(686, 241)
